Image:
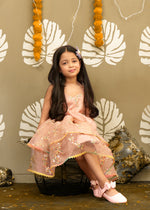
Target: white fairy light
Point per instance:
(133, 14)
(74, 18)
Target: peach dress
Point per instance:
(56, 142)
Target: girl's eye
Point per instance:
(64, 63)
(74, 61)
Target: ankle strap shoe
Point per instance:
(107, 186)
(118, 198)
(99, 192)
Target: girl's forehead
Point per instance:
(67, 55)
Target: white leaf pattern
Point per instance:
(145, 126)
(30, 120)
(111, 52)
(52, 39)
(3, 46)
(109, 118)
(2, 126)
(144, 48)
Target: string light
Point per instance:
(74, 18)
(133, 14)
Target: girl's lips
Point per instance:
(72, 70)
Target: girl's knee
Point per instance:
(79, 158)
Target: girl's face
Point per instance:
(69, 65)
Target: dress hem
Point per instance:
(71, 157)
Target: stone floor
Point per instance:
(27, 196)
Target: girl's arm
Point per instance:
(46, 105)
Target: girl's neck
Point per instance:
(71, 81)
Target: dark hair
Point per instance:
(58, 101)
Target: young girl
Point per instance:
(67, 129)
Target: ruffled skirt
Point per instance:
(56, 142)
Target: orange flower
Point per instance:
(37, 17)
(97, 17)
(37, 44)
(37, 23)
(98, 23)
(98, 29)
(37, 36)
(37, 56)
(37, 5)
(37, 29)
(98, 36)
(37, 50)
(37, 11)
(37, 1)
(37, 26)
(98, 10)
(98, 3)
(99, 42)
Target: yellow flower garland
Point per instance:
(98, 23)
(37, 26)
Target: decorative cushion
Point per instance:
(129, 158)
(6, 178)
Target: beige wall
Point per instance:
(126, 83)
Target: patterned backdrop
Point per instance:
(119, 70)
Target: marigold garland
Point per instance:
(37, 27)
(98, 23)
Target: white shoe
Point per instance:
(118, 198)
(98, 192)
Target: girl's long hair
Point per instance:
(58, 102)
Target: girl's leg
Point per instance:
(93, 163)
(89, 163)
(94, 166)
(85, 167)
